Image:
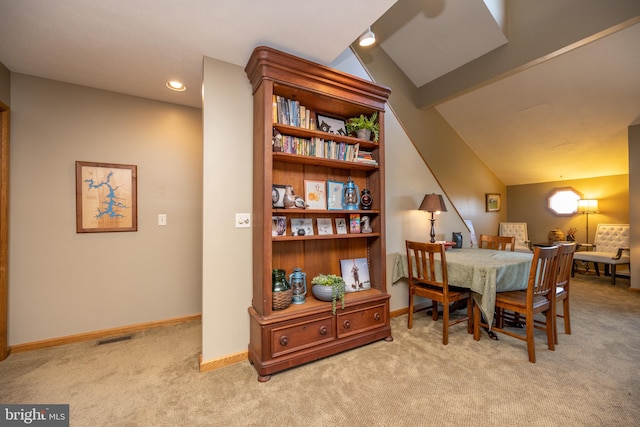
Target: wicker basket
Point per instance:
(281, 300)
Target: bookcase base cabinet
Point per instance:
(288, 342)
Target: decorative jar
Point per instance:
(281, 292)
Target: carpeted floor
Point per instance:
(592, 379)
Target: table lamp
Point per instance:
(586, 207)
(433, 203)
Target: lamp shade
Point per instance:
(588, 206)
(433, 203)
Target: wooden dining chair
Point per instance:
(565, 263)
(498, 243)
(424, 281)
(537, 298)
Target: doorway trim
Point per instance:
(4, 230)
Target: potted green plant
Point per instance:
(328, 287)
(363, 123)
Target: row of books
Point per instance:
(290, 112)
(319, 147)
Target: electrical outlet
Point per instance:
(243, 220)
(162, 219)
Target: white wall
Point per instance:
(227, 190)
(62, 283)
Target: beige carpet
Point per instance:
(592, 379)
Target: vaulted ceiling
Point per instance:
(564, 116)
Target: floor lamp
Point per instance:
(433, 203)
(586, 207)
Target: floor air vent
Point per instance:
(115, 339)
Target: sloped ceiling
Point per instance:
(564, 118)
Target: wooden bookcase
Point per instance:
(281, 339)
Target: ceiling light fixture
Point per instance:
(367, 38)
(176, 85)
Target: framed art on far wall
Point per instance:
(106, 197)
(493, 201)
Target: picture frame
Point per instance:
(314, 194)
(354, 223)
(334, 195)
(355, 273)
(341, 226)
(493, 202)
(278, 226)
(325, 226)
(331, 124)
(106, 197)
(301, 226)
(277, 195)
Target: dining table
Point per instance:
(483, 271)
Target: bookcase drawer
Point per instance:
(298, 336)
(362, 320)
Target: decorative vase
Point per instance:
(363, 134)
(281, 291)
(555, 235)
(321, 292)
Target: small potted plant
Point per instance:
(571, 234)
(364, 126)
(328, 287)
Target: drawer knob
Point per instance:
(376, 317)
(284, 340)
(346, 324)
(323, 330)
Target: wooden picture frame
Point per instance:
(315, 194)
(493, 202)
(331, 125)
(106, 197)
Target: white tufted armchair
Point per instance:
(519, 231)
(611, 247)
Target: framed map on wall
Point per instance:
(106, 197)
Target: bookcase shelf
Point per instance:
(301, 333)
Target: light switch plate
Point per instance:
(162, 219)
(243, 220)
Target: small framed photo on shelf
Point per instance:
(278, 225)
(331, 125)
(354, 223)
(314, 194)
(334, 195)
(277, 195)
(302, 226)
(341, 226)
(355, 273)
(494, 201)
(325, 226)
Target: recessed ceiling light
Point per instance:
(176, 85)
